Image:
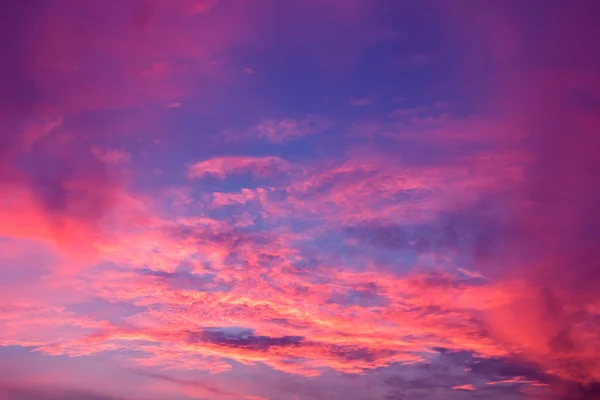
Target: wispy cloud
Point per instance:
(223, 166)
(362, 101)
(464, 387)
(111, 156)
(284, 130)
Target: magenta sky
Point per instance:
(299, 200)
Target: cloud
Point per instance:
(205, 388)
(222, 167)
(111, 156)
(464, 387)
(422, 252)
(362, 101)
(553, 209)
(288, 129)
(245, 340)
(143, 62)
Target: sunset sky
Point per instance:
(299, 200)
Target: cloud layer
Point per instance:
(299, 200)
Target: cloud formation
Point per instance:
(192, 207)
(223, 166)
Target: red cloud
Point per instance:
(463, 387)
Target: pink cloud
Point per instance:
(142, 68)
(111, 156)
(222, 167)
(464, 387)
(553, 255)
(287, 129)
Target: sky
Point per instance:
(299, 200)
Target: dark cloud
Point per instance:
(18, 96)
(184, 279)
(363, 297)
(493, 368)
(479, 231)
(535, 66)
(245, 339)
(48, 167)
(582, 392)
